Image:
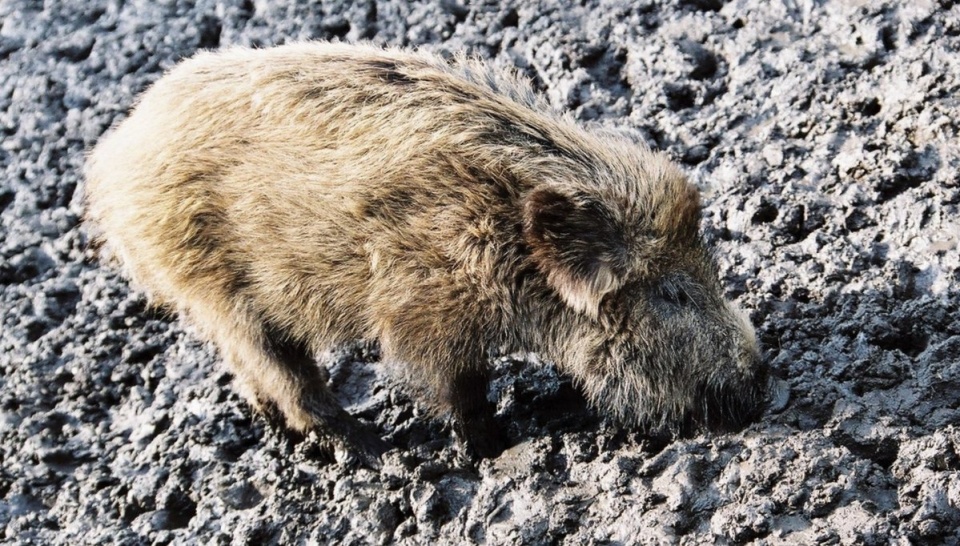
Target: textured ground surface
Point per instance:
(825, 136)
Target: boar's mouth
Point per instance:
(719, 407)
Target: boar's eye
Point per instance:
(672, 293)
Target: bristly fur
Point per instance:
(289, 199)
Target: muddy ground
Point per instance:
(825, 138)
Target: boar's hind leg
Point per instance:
(280, 372)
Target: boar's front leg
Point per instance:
(279, 372)
(453, 369)
(473, 412)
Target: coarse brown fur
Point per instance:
(286, 200)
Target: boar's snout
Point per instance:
(732, 398)
(728, 406)
(685, 368)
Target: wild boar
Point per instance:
(289, 199)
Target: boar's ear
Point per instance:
(576, 243)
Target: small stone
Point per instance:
(773, 155)
(241, 496)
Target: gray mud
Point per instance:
(824, 135)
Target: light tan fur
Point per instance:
(290, 199)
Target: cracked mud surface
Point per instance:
(825, 138)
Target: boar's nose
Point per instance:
(728, 406)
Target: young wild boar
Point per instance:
(289, 199)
